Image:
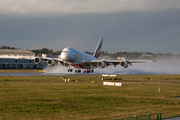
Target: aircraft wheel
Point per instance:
(87, 71)
(77, 71)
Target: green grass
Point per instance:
(48, 98)
(19, 70)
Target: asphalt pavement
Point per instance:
(176, 118)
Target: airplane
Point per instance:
(71, 57)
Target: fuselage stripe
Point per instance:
(78, 66)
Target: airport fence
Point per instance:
(158, 116)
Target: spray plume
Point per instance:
(163, 66)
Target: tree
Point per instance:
(7, 47)
(12, 48)
(3, 47)
(57, 52)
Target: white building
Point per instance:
(121, 58)
(12, 58)
(17, 54)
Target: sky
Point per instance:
(125, 25)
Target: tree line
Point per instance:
(7, 47)
(105, 54)
(46, 51)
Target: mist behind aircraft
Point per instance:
(163, 66)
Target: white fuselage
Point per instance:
(72, 55)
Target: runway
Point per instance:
(176, 118)
(32, 74)
(41, 74)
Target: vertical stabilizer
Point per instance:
(98, 48)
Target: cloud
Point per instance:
(84, 6)
(124, 31)
(125, 25)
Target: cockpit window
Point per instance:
(65, 51)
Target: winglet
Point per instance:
(98, 48)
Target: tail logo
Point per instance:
(98, 48)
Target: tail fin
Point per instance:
(98, 48)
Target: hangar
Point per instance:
(17, 58)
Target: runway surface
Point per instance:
(177, 118)
(32, 74)
(40, 74)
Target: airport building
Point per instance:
(17, 59)
(147, 56)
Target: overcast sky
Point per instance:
(125, 25)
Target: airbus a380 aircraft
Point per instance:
(71, 57)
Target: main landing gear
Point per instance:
(70, 70)
(77, 71)
(88, 71)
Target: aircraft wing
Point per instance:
(106, 63)
(90, 63)
(50, 61)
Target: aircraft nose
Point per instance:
(64, 55)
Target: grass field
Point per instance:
(49, 98)
(19, 70)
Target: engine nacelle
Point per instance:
(101, 64)
(37, 60)
(124, 64)
(51, 62)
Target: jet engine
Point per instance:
(51, 62)
(101, 64)
(124, 64)
(37, 60)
